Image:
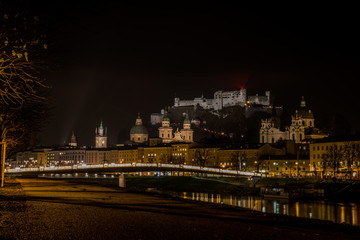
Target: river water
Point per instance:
(348, 213)
(336, 212)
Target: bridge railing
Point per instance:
(132, 165)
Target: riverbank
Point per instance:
(64, 209)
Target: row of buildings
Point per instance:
(291, 160)
(305, 159)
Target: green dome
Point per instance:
(165, 117)
(138, 129)
(187, 120)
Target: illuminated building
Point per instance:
(100, 137)
(139, 133)
(302, 127)
(343, 147)
(166, 131)
(225, 99)
(73, 142)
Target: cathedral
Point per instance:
(139, 133)
(166, 131)
(100, 137)
(302, 126)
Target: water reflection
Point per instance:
(336, 212)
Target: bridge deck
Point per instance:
(131, 167)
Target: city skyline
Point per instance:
(119, 59)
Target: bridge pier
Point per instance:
(122, 180)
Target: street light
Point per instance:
(3, 163)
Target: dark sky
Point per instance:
(116, 59)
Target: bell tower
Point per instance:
(165, 131)
(187, 133)
(100, 137)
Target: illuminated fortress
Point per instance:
(226, 99)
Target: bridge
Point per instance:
(129, 167)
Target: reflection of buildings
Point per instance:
(302, 127)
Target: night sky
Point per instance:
(115, 59)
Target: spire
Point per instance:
(302, 103)
(73, 138)
(165, 117)
(73, 142)
(101, 125)
(138, 121)
(187, 121)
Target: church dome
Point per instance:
(304, 112)
(138, 129)
(187, 120)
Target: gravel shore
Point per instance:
(49, 209)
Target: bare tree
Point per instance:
(349, 155)
(21, 83)
(332, 158)
(202, 155)
(239, 160)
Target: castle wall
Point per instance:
(225, 99)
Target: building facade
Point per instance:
(225, 99)
(101, 137)
(139, 133)
(339, 154)
(184, 135)
(302, 127)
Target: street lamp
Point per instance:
(3, 163)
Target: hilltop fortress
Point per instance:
(225, 99)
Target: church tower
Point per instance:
(187, 133)
(73, 142)
(165, 131)
(300, 122)
(100, 137)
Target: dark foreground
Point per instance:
(50, 209)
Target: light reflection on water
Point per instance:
(348, 213)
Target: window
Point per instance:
(322, 147)
(318, 148)
(314, 157)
